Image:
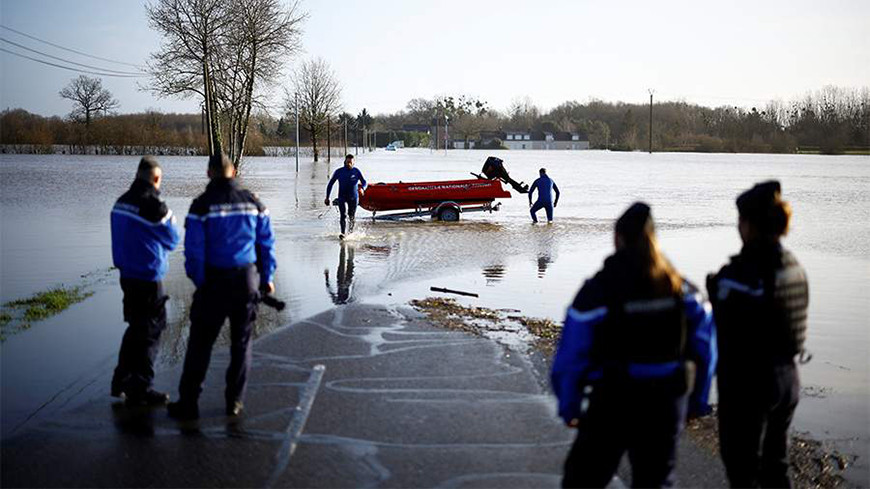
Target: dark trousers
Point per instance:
(547, 206)
(347, 210)
(644, 418)
(755, 412)
(226, 293)
(145, 314)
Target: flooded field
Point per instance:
(55, 230)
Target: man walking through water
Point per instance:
(228, 241)
(349, 179)
(545, 186)
(143, 233)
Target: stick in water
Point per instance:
(449, 291)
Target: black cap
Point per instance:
(757, 202)
(633, 221)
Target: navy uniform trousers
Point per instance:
(227, 293)
(145, 313)
(644, 418)
(756, 407)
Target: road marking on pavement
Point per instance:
(297, 423)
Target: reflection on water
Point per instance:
(544, 260)
(493, 273)
(343, 276)
(55, 228)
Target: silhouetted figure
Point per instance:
(228, 241)
(636, 340)
(343, 276)
(545, 187)
(760, 303)
(350, 180)
(143, 232)
(544, 261)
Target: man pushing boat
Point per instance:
(545, 186)
(350, 185)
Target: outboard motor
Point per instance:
(493, 168)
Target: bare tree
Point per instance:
(89, 97)
(184, 64)
(319, 95)
(523, 113)
(466, 114)
(263, 35)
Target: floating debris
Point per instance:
(519, 332)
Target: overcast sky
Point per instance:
(386, 52)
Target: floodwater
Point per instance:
(55, 229)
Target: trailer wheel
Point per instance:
(448, 214)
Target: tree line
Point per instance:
(831, 121)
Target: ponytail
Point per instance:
(637, 231)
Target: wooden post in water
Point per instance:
(296, 102)
(650, 118)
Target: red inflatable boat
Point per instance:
(444, 200)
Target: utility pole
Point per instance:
(296, 102)
(345, 135)
(328, 140)
(445, 133)
(651, 91)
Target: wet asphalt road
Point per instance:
(359, 396)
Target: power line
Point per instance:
(69, 49)
(67, 67)
(70, 62)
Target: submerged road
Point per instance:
(359, 396)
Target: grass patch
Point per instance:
(38, 307)
(46, 304)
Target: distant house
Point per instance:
(460, 144)
(545, 140)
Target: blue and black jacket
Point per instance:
(545, 186)
(348, 180)
(617, 327)
(143, 233)
(228, 227)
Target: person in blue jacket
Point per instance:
(545, 186)
(229, 256)
(143, 233)
(760, 300)
(349, 180)
(636, 341)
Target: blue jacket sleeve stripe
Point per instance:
(586, 316)
(266, 248)
(726, 285)
(703, 350)
(194, 249)
(141, 219)
(166, 234)
(571, 364)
